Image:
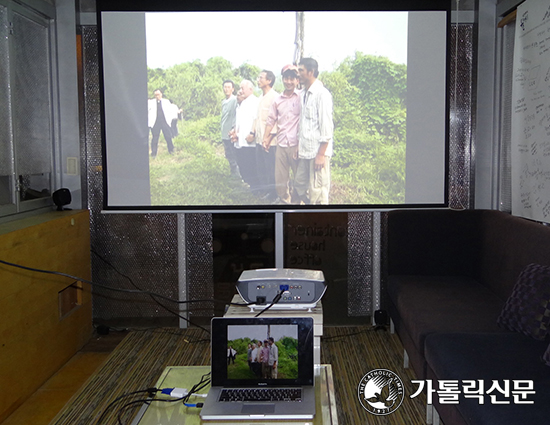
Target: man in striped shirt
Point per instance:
(312, 180)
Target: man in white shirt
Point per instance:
(273, 358)
(312, 180)
(243, 135)
(265, 158)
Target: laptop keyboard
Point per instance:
(261, 394)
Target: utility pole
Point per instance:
(299, 37)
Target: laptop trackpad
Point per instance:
(258, 408)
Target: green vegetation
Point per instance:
(287, 365)
(368, 166)
(197, 171)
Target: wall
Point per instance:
(36, 338)
(68, 146)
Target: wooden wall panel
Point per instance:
(34, 340)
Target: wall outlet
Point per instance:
(72, 166)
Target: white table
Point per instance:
(158, 413)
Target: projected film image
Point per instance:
(262, 352)
(228, 127)
(257, 110)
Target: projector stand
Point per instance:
(300, 307)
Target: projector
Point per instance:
(298, 288)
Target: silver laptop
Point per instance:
(262, 368)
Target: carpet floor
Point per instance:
(138, 361)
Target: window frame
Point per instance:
(42, 14)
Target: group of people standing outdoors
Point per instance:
(281, 144)
(263, 358)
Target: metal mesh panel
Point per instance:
(505, 160)
(6, 156)
(360, 263)
(461, 123)
(91, 123)
(140, 246)
(91, 113)
(383, 259)
(32, 96)
(143, 247)
(200, 262)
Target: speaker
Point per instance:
(381, 317)
(61, 197)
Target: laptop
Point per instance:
(245, 384)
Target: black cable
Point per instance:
(129, 279)
(204, 381)
(147, 401)
(99, 285)
(127, 406)
(170, 331)
(178, 301)
(123, 409)
(136, 291)
(153, 297)
(275, 301)
(150, 391)
(111, 288)
(347, 335)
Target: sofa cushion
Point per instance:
(429, 304)
(546, 356)
(492, 356)
(508, 245)
(527, 310)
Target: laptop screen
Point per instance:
(262, 351)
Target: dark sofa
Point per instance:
(450, 274)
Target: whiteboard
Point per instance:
(531, 112)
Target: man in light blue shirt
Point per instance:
(312, 180)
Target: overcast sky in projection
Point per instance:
(260, 332)
(266, 39)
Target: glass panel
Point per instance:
(34, 186)
(240, 242)
(32, 104)
(6, 136)
(505, 160)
